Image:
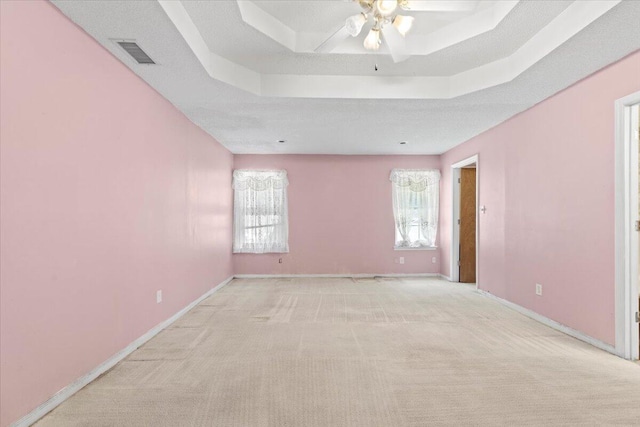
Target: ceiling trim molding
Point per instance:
(472, 26)
(267, 24)
(570, 22)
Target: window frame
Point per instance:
(397, 234)
(243, 240)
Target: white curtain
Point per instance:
(260, 217)
(416, 196)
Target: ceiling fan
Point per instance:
(388, 25)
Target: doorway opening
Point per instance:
(627, 304)
(464, 221)
(635, 143)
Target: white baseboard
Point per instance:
(400, 275)
(355, 276)
(552, 323)
(288, 276)
(447, 278)
(75, 386)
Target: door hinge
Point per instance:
(637, 225)
(461, 264)
(458, 222)
(637, 317)
(458, 180)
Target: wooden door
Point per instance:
(468, 225)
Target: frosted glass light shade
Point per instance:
(386, 7)
(403, 24)
(354, 24)
(372, 41)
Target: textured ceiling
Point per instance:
(246, 123)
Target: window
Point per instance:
(415, 197)
(260, 219)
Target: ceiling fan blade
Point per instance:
(440, 5)
(332, 42)
(395, 43)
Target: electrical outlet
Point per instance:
(401, 260)
(538, 289)
(434, 260)
(158, 297)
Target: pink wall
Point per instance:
(547, 180)
(340, 216)
(108, 193)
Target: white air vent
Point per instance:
(136, 52)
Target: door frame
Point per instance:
(455, 215)
(626, 238)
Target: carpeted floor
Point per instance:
(343, 352)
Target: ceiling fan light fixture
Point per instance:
(386, 7)
(403, 24)
(372, 41)
(354, 24)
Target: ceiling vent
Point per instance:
(136, 52)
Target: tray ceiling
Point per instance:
(247, 73)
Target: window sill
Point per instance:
(254, 252)
(422, 248)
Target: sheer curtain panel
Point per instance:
(415, 197)
(260, 217)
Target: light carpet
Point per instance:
(350, 352)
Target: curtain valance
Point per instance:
(259, 180)
(415, 179)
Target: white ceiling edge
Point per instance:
(570, 22)
(566, 25)
(215, 65)
(472, 26)
(418, 44)
(268, 24)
